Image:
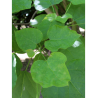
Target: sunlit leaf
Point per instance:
(18, 5)
(28, 38)
(44, 4)
(60, 37)
(52, 72)
(26, 87)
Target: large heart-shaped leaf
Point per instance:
(78, 14)
(60, 37)
(15, 46)
(76, 66)
(52, 72)
(28, 38)
(18, 5)
(26, 87)
(44, 4)
(76, 2)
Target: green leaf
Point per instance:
(76, 2)
(26, 87)
(20, 5)
(64, 18)
(30, 53)
(14, 76)
(15, 46)
(76, 65)
(45, 25)
(37, 20)
(52, 72)
(51, 17)
(60, 37)
(19, 65)
(78, 14)
(28, 38)
(44, 4)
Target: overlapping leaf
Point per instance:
(76, 66)
(60, 37)
(76, 2)
(64, 18)
(26, 87)
(45, 25)
(44, 4)
(18, 5)
(78, 14)
(30, 53)
(15, 46)
(28, 38)
(52, 72)
(34, 22)
(16, 68)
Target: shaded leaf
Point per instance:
(15, 46)
(26, 87)
(76, 66)
(44, 4)
(76, 2)
(14, 76)
(60, 37)
(20, 5)
(37, 20)
(19, 65)
(51, 72)
(78, 14)
(28, 38)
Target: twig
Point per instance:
(48, 11)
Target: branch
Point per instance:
(56, 10)
(48, 11)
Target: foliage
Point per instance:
(58, 71)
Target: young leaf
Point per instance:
(20, 5)
(44, 4)
(64, 18)
(60, 37)
(76, 65)
(37, 20)
(26, 87)
(76, 2)
(78, 14)
(52, 72)
(28, 38)
(15, 46)
(14, 76)
(30, 53)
